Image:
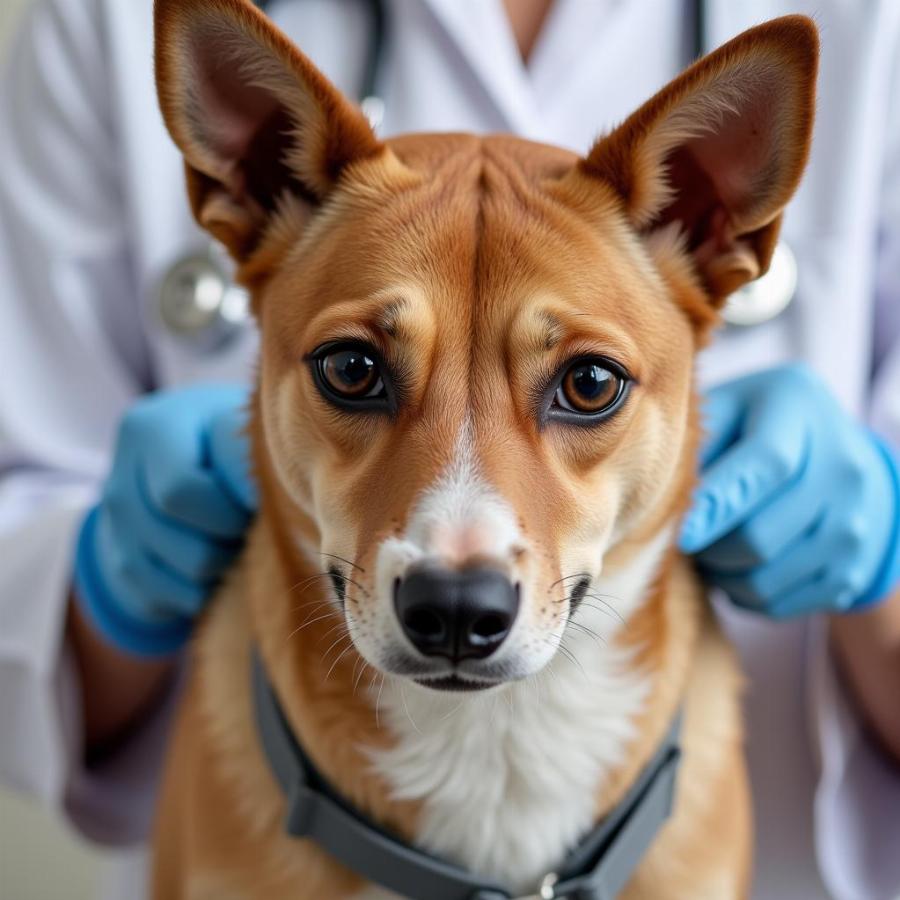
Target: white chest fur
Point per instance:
(509, 780)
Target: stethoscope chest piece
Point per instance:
(767, 297)
(199, 302)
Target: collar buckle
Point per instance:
(547, 890)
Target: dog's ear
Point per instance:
(253, 117)
(721, 150)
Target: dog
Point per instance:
(474, 433)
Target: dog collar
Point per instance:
(597, 869)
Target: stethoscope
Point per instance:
(200, 303)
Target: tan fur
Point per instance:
(479, 266)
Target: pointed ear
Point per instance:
(253, 117)
(721, 150)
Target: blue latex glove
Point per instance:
(798, 509)
(171, 518)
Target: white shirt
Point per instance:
(93, 213)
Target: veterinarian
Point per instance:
(125, 353)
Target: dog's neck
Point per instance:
(507, 782)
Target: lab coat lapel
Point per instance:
(568, 44)
(473, 26)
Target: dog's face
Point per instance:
(473, 390)
(476, 369)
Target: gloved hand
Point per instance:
(798, 509)
(171, 518)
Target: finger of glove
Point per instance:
(771, 530)
(845, 573)
(137, 582)
(229, 457)
(170, 594)
(192, 555)
(825, 593)
(819, 556)
(764, 460)
(181, 488)
(755, 589)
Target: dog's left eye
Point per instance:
(590, 389)
(350, 374)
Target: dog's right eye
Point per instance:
(350, 375)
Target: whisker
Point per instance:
(552, 670)
(602, 609)
(604, 597)
(346, 580)
(352, 565)
(305, 582)
(571, 656)
(362, 670)
(319, 601)
(567, 578)
(339, 638)
(345, 651)
(378, 702)
(333, 629)
(333, 575)
(553, 674)
(452, 712)
(307, 623)
(321, 604)
(406, 709)
(536, 687)
(588, 631)
(600, 598)
(353, 674)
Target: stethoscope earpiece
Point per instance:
(373, 109)
(200, 303)
(767, 297)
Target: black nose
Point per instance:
(464, 614)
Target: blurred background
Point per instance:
(39, 858)
(10, 10)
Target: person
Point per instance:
(123, 485)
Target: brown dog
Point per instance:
(475, 382)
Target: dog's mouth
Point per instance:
(455, 683)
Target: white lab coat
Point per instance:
(92, 213)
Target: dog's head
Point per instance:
(477, 353)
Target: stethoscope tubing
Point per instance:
(377, 44)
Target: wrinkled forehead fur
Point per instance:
(477, 267)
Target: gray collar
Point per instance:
(597, 869)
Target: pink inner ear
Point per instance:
(740, 158)
(227, 112)
(241, 126)
(724, 177)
